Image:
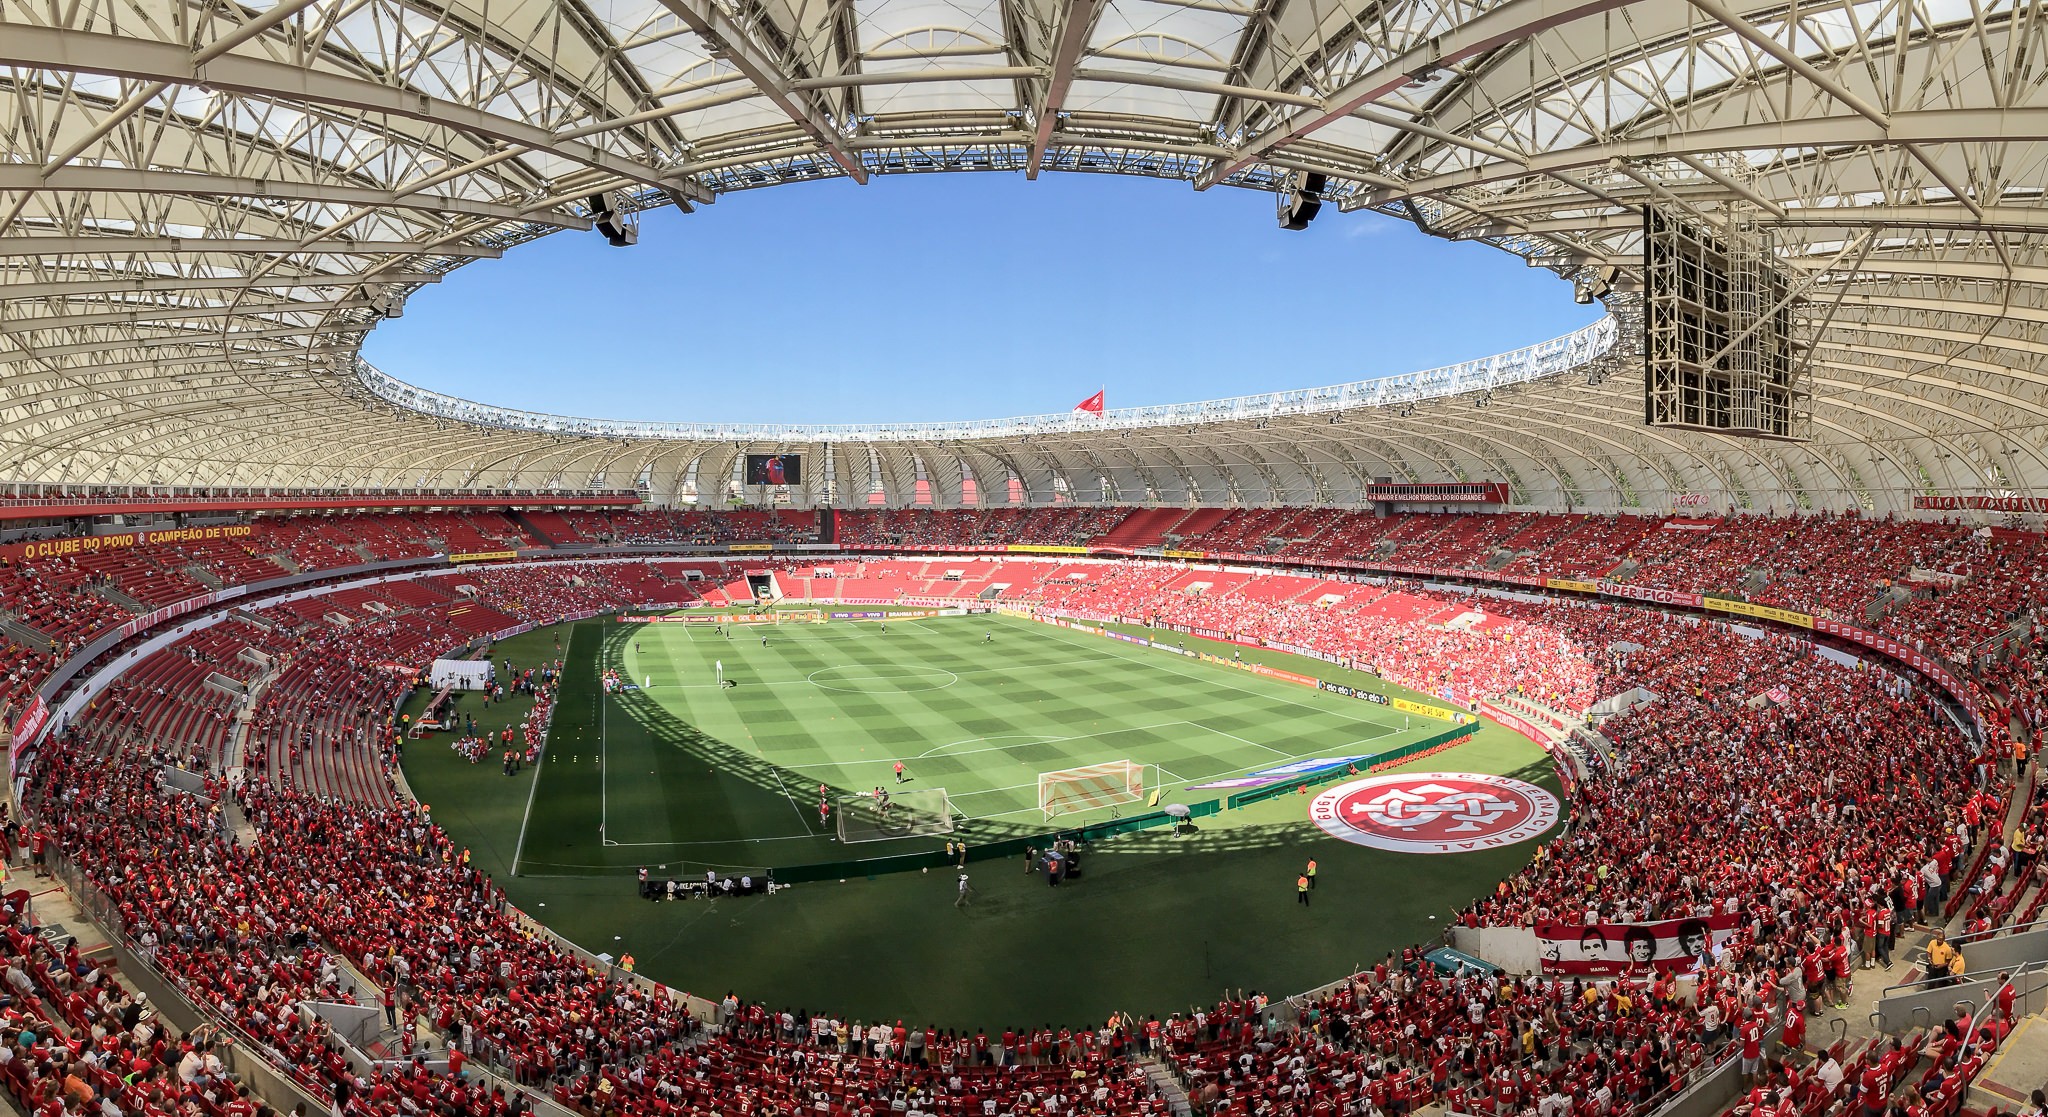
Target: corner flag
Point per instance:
(1093, 404)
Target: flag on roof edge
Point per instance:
(1092, 405)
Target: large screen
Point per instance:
(775, 469)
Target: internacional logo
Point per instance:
(1435, 812)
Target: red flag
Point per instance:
(1092, 405)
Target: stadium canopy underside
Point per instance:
(205, 207)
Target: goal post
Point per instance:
(903, 814)
(1070, 790)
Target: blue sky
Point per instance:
(960, 296)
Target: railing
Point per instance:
(1521, 366)
(244, 1054)
(58, 496)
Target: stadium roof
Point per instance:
(204, 208)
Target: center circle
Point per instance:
(859, 679)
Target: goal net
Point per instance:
(903, 814)
(1095, 785)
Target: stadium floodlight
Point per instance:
(618, 228)
(900, 814)
(1302, 200)
(1094, 785)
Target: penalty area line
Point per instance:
(792, 801)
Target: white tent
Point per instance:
(462, 674)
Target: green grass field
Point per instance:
(684, 774)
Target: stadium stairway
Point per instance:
(1168, 1084)
(2019, 1068)
(526, 524)
(1146, 527)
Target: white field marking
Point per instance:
(1026, 738)
(792, 799)
(913, 673)
(1235, 737)
(1086, 736)
(1154, 662)
(604, 781)
(520, 847)
(1225, 773)
(713, 841)
(770, 680)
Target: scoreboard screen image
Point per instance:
(775, 469)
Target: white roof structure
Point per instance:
(203, 208)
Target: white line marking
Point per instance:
(1235, 737)
(1227, 686)
(914, 673)
(520, 847)
(786, 795)
(604, 706)
(1026, 739)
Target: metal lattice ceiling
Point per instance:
(204, 207)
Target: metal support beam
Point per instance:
(128, 180)
(178, 285)
(134, 103)
(1076, 25)
(770, 74)
(143, 316)
(1512, 21)
(1929, 126)
(1755, 36)
(49, 48)
(232, 246)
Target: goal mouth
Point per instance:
(901, 814)
(1091, 786)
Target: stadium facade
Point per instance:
(204, 211)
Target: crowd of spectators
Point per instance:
(1833, 816)
(1811, 799)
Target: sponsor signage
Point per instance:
(748, 548)
(1276, 673)
(1435, 812)
(484, 556)
(1646, 593)
(1184, 554)
(1516, 722)
(1408, 706)
(1570, 584)
(31, 723)
(1628, 949)
(177, 609)
(1761, 612)
(1352, 692)
(1044, 549)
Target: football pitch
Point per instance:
(677, 769)
(677, 773)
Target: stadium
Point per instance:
(1634, 721)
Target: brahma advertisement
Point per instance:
(1628, 949)
(33, 718)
